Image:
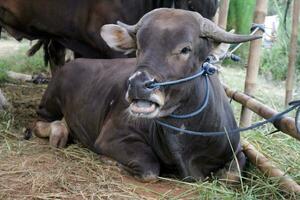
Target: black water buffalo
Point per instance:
(75, 24)
(109, 107)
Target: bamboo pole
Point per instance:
(286, 183)
(293, 53)
(253, 60)
(286, 124)
(223, 13)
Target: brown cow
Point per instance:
(75, 24)
(108, 106)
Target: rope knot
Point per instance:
(208, 68)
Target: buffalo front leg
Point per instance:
(143, 164)
(56, 54)
(136, 158)
(129, 149)
(57, 132)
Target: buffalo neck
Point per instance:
(174, 145)
(194, 96)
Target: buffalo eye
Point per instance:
(185, 50)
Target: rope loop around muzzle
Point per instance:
(201, 108)
(206, 70)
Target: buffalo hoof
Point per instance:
(149, 177)
(231, 174)
(231, 178)
(59, 134)
(145, 177)
(42, 129)
(108, 161)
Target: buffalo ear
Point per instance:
(118, 38)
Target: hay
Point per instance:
(34, 170)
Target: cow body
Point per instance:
(75, 24)
(90, 95)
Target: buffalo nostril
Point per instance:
(151, 84)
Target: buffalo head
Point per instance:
(170, 44)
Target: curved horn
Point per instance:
(133, 29)
(211, 30)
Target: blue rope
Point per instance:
(206, 68)
(201, 108)
(209, 69)
(220, 133)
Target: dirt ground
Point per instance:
(33, 170)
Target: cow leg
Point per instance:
(143, 167)
(230, 174)
(57, 132)
(56, 54)
(35, 48)
(42, 129)
(130, 150)
(137, 159)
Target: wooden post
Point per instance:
(285, 124)
(253, 60)
(286, 183)
(293, 54)
(223, 13)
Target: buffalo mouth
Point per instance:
(143, 106)
(146, 108)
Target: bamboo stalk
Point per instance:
(253, 60)
(223, 13)
(293, 53)
(286, 124)
(286, 183)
